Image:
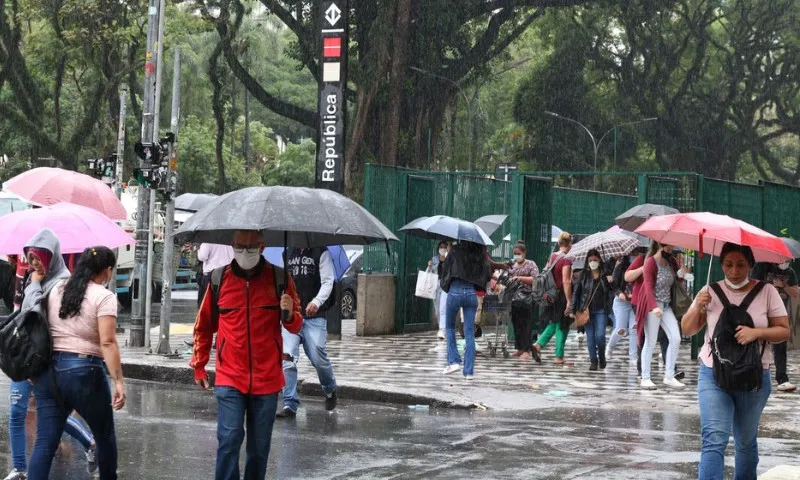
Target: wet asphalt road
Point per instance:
(168, 432)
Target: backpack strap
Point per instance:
(751, 296)
(720, 294)
(277, 280)
(552, 263)
(216, 283)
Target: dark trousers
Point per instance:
(779, 351)
(522, 320)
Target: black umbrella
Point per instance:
(793, 246)
(286, 217)
(636, 216)
(192, 202)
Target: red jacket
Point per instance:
(249, 342)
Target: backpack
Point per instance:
(26, 346)
(737, 368)
(216, 284)
(544, 290)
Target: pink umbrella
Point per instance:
(76, 227)
(47, 186)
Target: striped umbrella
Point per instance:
(609, 244)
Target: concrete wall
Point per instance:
(376, 302)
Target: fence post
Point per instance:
(641, 189)
(697, 340)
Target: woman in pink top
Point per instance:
(83, 320)
(721, 410)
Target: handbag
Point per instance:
(427, 283)
(680, 300)
(582, 317)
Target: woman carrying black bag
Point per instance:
(524, 271)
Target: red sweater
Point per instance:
(646, 302)
(249, 341)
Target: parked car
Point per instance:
(349, 282)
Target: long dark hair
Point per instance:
(91, 264)
(587, 272)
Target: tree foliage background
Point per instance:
(441, 84)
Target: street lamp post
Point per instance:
(596, 144)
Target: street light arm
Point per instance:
(622, 125)
(431, 74)
(553, 114)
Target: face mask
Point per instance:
(247, 260)
(518, 258)
(737, 286)
(594, 265)
(784, 266)
(666, 255)
(442, 252)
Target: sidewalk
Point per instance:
(406, 369)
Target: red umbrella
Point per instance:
(46, 186)
(708, 232)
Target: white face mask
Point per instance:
(247, 260)
(519, 258)
(594, 265)
(737, 286)
(784, 266)
(442, 252)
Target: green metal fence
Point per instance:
(535, 201)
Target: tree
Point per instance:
(294, 167)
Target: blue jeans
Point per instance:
(83, 387)
(313, 336)
(596, 334)
(461, 296)
(719, 411)
(232, 406)
(624, 326)
(20, 393)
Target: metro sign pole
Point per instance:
(332, 102)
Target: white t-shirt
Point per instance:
(766, 305)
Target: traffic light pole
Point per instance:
(123, 104)
(139, 292)
(156, 125)
(169, 242)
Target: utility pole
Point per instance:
(148, 314)
(123, 103)
(142, 211)
(171, 184)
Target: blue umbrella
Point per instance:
(341, 263)
(442, 226)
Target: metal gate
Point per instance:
(537, 211)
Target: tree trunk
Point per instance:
(398, 77)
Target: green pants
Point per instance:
(555, 328)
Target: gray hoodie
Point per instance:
(47, 240)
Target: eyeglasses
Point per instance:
(240, 249)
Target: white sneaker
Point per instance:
(581, 337)
(440, 335)
(469, 377)
(672, 382)
(786, 387)
(451, 369)
(648, 385)
(608, 353)
(16, 475)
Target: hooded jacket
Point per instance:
(56, 271)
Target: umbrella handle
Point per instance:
(282, 288)
(710, 261)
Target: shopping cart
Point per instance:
(497, 308)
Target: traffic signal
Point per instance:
(150, 153)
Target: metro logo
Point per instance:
(332, 47)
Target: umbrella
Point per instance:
(555, 233)
(442, 226)
(192, 202)
(45, 186)
(636, 216)
(286, 216)
(643, 241)
(76, 227)
(793, 246)
(341, 263)
(708, 232)
(609, 244)
(490, 223)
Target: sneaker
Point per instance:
(608, 353)
(331, 401)
(786, 387)
(440, 335)
(672, 382)
(469, 377)
(17, 475)
(91, 460)
(288, 413)
(648, 385)
(451, 369)
(679, 376)
(581, 337)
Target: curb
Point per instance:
(311, 387)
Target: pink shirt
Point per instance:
(767, 304)
(80, 334)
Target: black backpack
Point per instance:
(737, 368)
(26, 346)
(545, 290)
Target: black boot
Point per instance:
(593, 367)
(602, 360)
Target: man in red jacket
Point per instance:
(249, 374)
